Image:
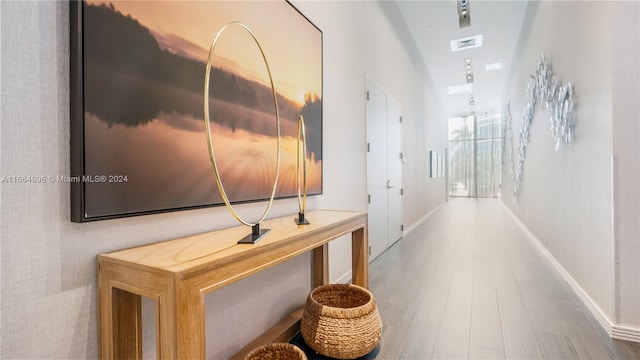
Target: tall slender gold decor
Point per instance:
(256, 232)
(302, 183)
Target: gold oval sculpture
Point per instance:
(256, 233)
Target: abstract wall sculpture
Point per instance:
(545, 87)
(508, 142)
(559, 102)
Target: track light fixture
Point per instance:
(464, 14)
(468, 69)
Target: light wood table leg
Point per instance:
(166, 342)
(190, 329)
(127, 325)
(360, 258)
(105, 316)
(320, 266)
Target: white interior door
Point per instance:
(384, 169)
(377, 169)
(394, 171)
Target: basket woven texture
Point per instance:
(276, 351)
(341, 321)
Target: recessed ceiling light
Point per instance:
(494, 66)
(468, 69)
(466, 43)
(460, 89)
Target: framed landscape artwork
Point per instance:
(436, 165)
(137, 131)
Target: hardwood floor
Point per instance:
(467, 284)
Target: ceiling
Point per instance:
(433, 24)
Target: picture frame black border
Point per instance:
(77, 145)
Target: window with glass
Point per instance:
(474, 156)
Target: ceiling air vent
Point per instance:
(466, 43)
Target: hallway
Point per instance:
(467, 283)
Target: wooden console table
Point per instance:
(177, 274)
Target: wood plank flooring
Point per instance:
(467, 284)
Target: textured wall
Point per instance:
(48, 293)
(626, 151)
(584, 215)
(565, 195)
(48, 267)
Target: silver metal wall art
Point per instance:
(559, 102)
(545, 87)
(507, 154)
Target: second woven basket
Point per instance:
(276, 351)
(341, 321)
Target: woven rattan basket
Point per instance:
(276, 351)
(341, 321)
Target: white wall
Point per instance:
(567, 197)
(48, 298)
(626, 152)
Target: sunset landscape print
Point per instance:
(143, 71)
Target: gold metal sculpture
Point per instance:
(302, 183)
(256, 232)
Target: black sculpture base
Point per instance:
(301, 220)
(256, 235)
(298, 341)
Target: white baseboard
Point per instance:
(625, 333)
(345, 279)
(614, 331)
(422, 219)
